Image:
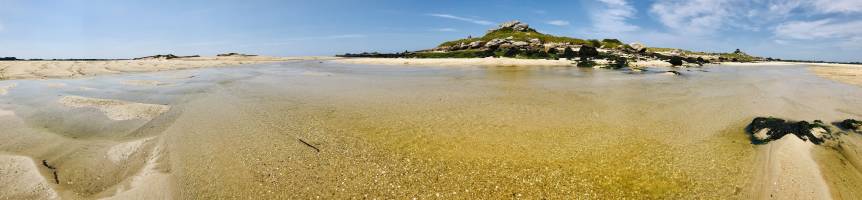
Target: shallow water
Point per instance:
(427, 132)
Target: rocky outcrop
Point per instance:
(158, 57)
(850, 125)
(762, 130)
(514, 25)
(638, 47)
(233, 54)
(164, 57)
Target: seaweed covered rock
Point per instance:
(762, 130)
(850, 124)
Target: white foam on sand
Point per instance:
(116, 109)
(20, 179)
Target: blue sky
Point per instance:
(794, 29)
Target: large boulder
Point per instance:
(520, 43)
(494, 43)
(638, 47)
(762, 130)
(677, 52)
(476, 44)
(588, 52)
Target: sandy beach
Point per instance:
(850, 74)
(10, 70)
(434, 130)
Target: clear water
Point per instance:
(426, 132)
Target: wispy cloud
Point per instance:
(459, 18)
(699, 17)
(558, 22)
(819, 29)
(613, 17)
(446, 30)
(837, 6)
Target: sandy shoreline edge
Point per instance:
(11, 70)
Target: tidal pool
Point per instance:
(316, 129)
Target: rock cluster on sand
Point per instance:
(164, 57)
(233, 54)
(765, 129)
(762, 130)
(850, 124)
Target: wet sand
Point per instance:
(328, 130)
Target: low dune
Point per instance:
(116, 109)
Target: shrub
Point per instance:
(594, 43)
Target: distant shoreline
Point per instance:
(74, 68)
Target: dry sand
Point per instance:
(116, 109)
(850, 74)
(69, 69)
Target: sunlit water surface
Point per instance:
(426, 132)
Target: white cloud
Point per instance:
(612, 18)
(696, 16)
(558, 22)
(466, 19)
(446, 29)
(837, 6)
(819, 29)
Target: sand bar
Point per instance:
(70, 69)
(116, 109)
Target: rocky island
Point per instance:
(515, 39)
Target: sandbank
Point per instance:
(116, 109)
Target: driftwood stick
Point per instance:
(53, 170)
(309, 145)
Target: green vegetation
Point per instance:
(517, 35)
(611, 43)
(594, 43)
